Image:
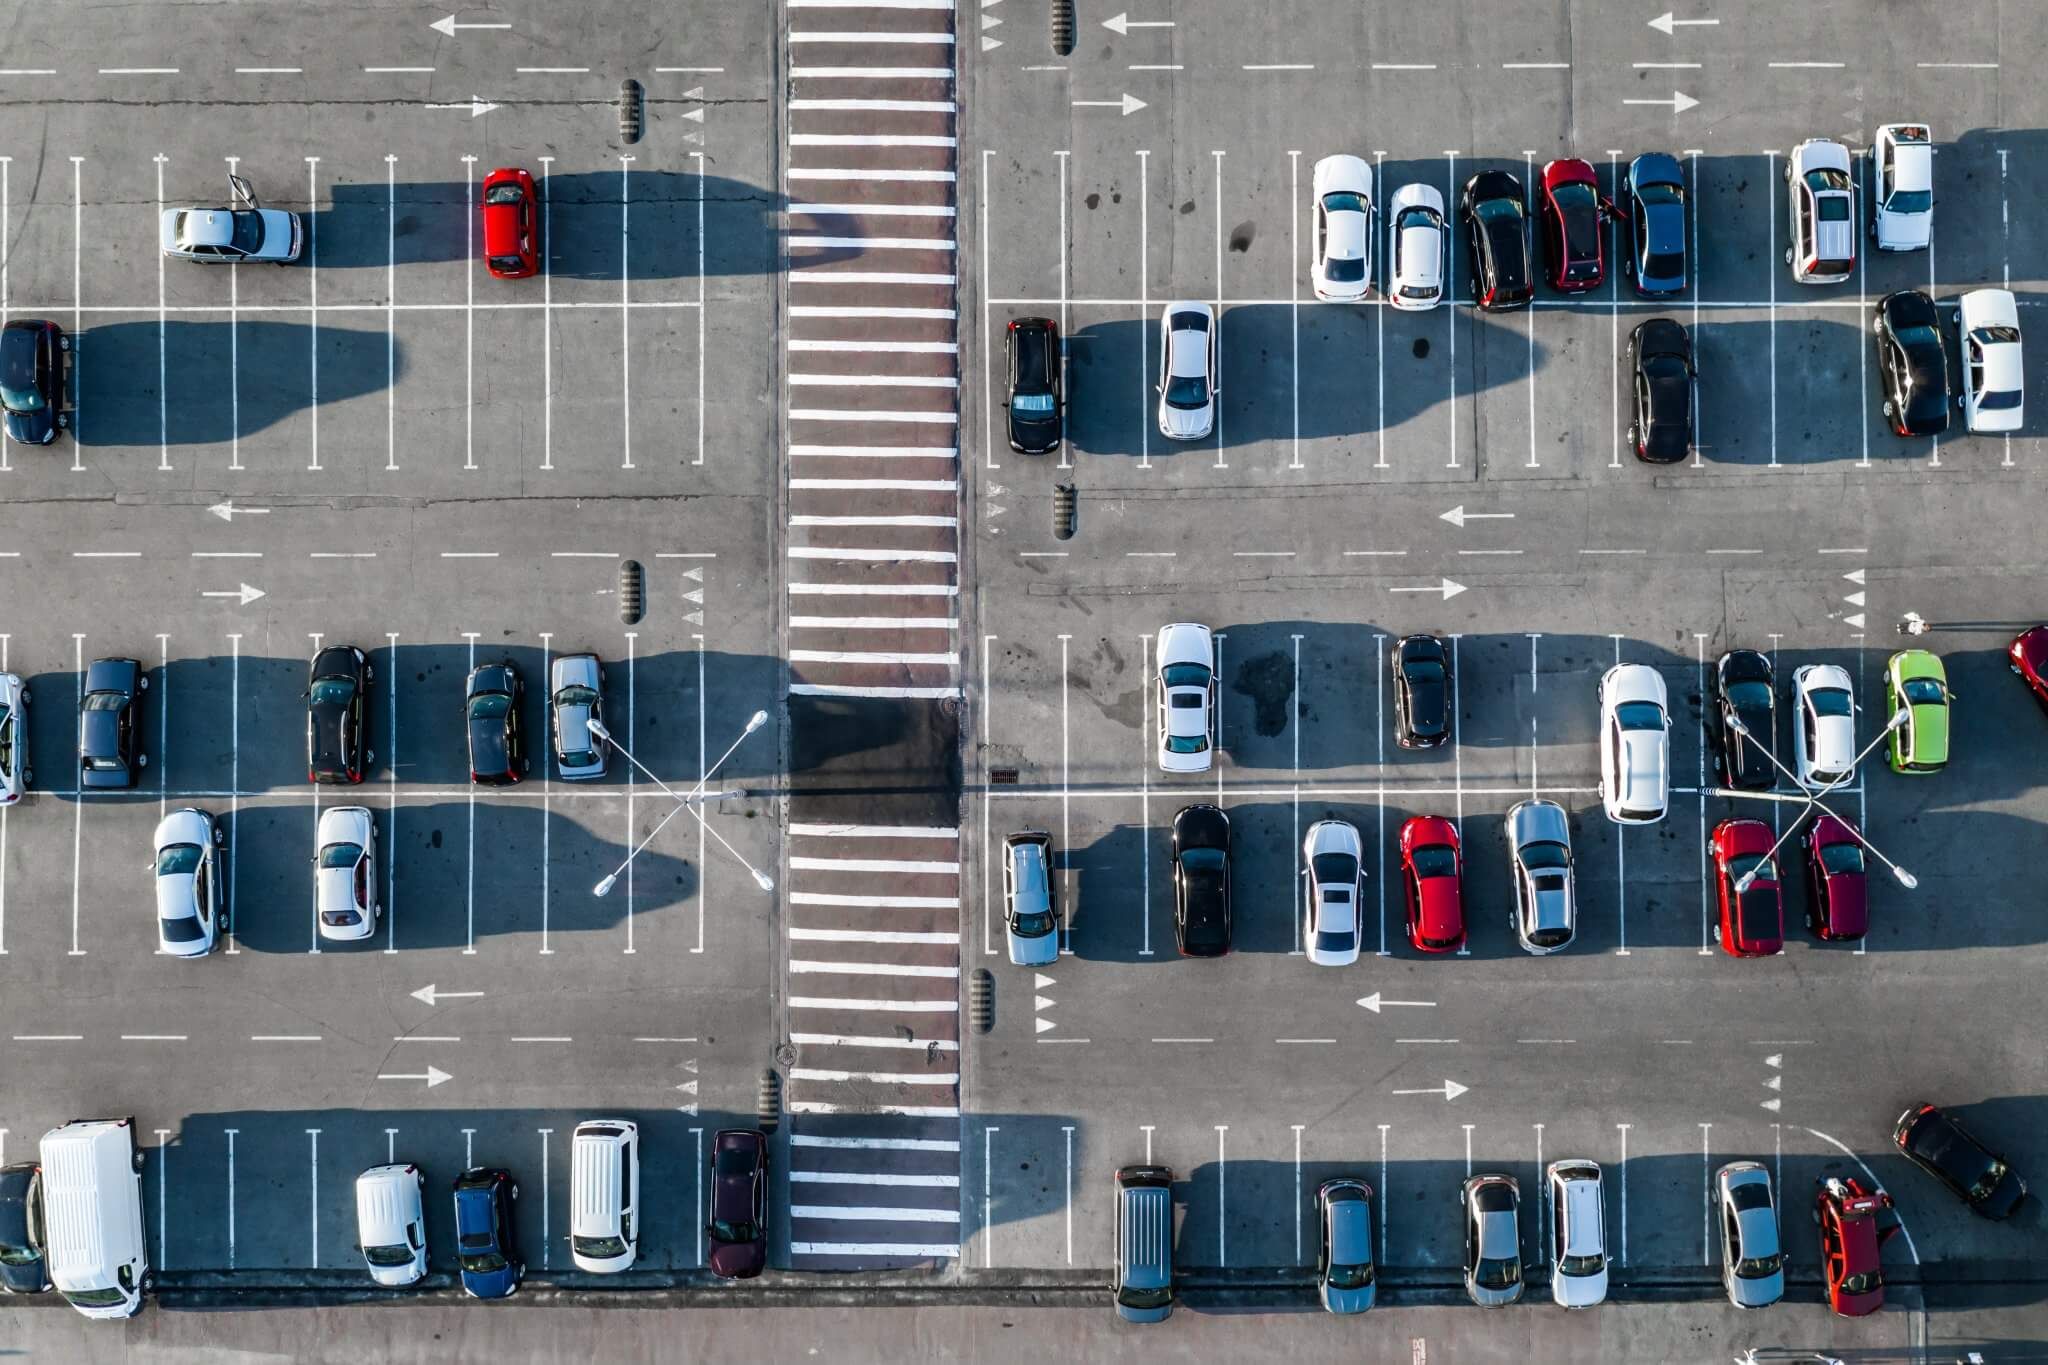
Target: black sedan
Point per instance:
(21, 1229)
(738, 1233)
(1913, 363)
(1422, 692)
(486, 1234)
(1037, 405)
(1498, 238)
(337, 714)
(33, 354)
(109, 726)
(1656, 218)
(1943, 1148)
(497, 744)
(1201, 882)
(1662, 374)
(1745, 691)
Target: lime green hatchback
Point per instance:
(1915, 679)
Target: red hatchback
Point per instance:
(511, 224)
(1835, 880)
(1849, 1238)
(2029, 654)
(1432, 871)
(1573, 210)
(1752, 921)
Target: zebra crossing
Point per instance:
(871, 362)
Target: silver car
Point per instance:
(576, 698)
(15, 773)
(1031, 917)
(1546, 905)
(1578, 1233)
(246, 232)
(191, 893)
(1752, 1258)
(1187, 371)
(1493, 1239)
(345, 873)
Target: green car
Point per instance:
(1915, 679)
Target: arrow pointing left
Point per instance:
(1123, 24)
(427, 995)
(246, 593)
(1458, 516)
(227, 511)
(448, 26)
(433, 1076)
(477, 106)
(1375, 1004)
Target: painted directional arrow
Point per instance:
(1664, 22)
(1130, 104)
(1450, 1090)
(433, 1076)
(1375, 1004)
(1122, 24)
(1448, 588)
(246, 593)
(428, 995)
(1458, 516)
(477, 106)
(227, 511)
(1854, 576)
(1679, 102)
(448, 26)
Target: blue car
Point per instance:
(486, 1237)
(1656, 217)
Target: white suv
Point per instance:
(1902, 187)
(1635, 745)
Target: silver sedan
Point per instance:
(1546, 905)
(576, 698)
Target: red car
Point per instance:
(2029, 655)
(1752, 922)
(1573, 210)
(1834, 880)
(1432, 871)
(511, 225)
(1849, 1238)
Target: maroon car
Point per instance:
(1572, 211)
(739, 1203)
(1835, 880)
(2029, 655)
(1753, 920)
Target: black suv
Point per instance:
(1038, 407)
(337, 714)
(1498, 235)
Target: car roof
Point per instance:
(1187, 352)
(18, 343)
(386, 1197)
(1584, 1235)
(1350, 234)
(1912, 156)
(1350, 1231)
(1539, 822)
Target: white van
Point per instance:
(604, 1180)
(391, 1226)
(94, 1243)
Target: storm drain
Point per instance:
(632, 110)
(632, 592)
(1062, 26)
(768, 1101)
(981, 999)
(1064, 497)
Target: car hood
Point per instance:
(1579, 1291)
(1187, 424)
(1358, 1300)
(33, 428)
(1186, 644)
(491, 1284)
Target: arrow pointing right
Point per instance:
(245, 593)
(433, 1076)
(477, 106)
(1375, 1004)
(1450, 1090)
(1448, 588)
(1130, 104)
(1679, 102)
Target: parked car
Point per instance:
(1037, 404)
(16, 773)
(1186, 698)
(1141, 1277)
(391, 1223)
(337, 715)
(229, 236)
(1745, 728)
(1332, 885)
(486, 1233)
(738, 1232)
(1752, 1258)
(1635, 745)
(1573, 211)
(1432, 877)
(1902, 187)
(1912, 364)
(1493, 1239)
(1752, 918)
(1188, 368)
(35, 362)
(1819, 196)
(604, 1195)
(1994, 374)
(1837, 894)
(1346, 1278)
(1946, 1150)
(497, 748)
(1422, 243)
(575, 699)
(511, 213)
(191, 886)
(2028, 655)
(1661, 379)
(1031, 916)
(22, 1268)
(1422, 692)
(1847, 1214)
(1656, 219)
(1344, 223)
(1540, 844)
(345, 873)
(1202, 921)
(95, 1241)
(1915, 681)
(1498, 238)
(1824, 732)
(1578, 1233)
(109, 724)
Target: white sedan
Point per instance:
(1187, 371)
(15, 773)
(191, 897)
(1187, 698)
(1824, 730)
(1994, 382)
(1635, 745)
(1332, 885)
(1343, 221)
(345, 873)
(225, 236)
(1421, 244)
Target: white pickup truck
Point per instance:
(1902, 187)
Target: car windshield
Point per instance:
(1423, 671)
(1436, 860)
(1909, 201)
(1497, 210)
(103, 763)
(1759, 1267)
(489, 1263)
(1498, 1274)
(1344, 269)
(1344, 201)
(1351, 1276)
(1663, 192)
(396, 1254)
(506, 262)
(1742, 864)
(1663, 264)
(1416, 217)
(1202, 860)
(1997, 333)
(340, 919)
(1032, 404)
(1184, 675)
(1830, 701)
(333, 691)
(14, 1255)
(576, 695)
(1546, 854)
(105, 701)
(21, 400)
(1328, 941)
(1418, 291)
(1823, 178)
(176, 859)
(1187, 391)
(340, 855)
(1836, 858)
(248, 231)
(489, 706)
(579, 758)
(599, 1248)
(504, 192)
(95, 1298)
(1032, 924)
(1863, 1283)
(1917, 336)
(1333, 867)
(1145, 1298)
(1750, 696)
(1186, 744)
(1581, 1265)
(1640, 715)
(2002, 401)
(1924, 692)
(733, 1232)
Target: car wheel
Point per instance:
(1717, 933)
(24, 696)
(63, 420)
(1887, 407)
(142, 760)
(369, 672)
(144, 682)
(63, 343)
(1877, 326)
(138, 1160)
(515, 1191)
(1788, 255)
(220, 836)
(28, 775)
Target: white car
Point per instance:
(345, 873)
(15, 772)
(191, 894)
(231, 235)
(1824, 733)
(1820, 197)
(391, 1224)
(1332, 885)
(1344, 224)
(1422, 242)
(1994, 383)
(1578, 1233)
(1635, 745)
(1902, 187)
(1187, 371)
(1187, 698)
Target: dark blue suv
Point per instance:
(486, 1238)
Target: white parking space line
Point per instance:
(703, 399)
(1300, 259)
(632, 780)
(77, 796)
(1144, 308)
(231, 1132)
(1698, 423)
(1700, 645)
(1222, 1198)
(1529, 179)
(163, 396)
(1216, 379)
(1379, 730)
(545, 1240)
(547, 334)
(1623, 1128)
(163, 725)
(1706, 1197)
(1614, 312)
(313, 315)
(1379, 318)
(313, 1162)
(1451, 303)
(77, 304)
(547, 793)
(1543, 1209)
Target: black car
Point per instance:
(1037, 405)
(21, 1229)
(1422, 692)
(1656, 216)
(1913, 363)
(33, 356)
(1660, 363)
(109, 727)
(1745, 690)
(1943, 1148)
(497, 745)
(1201, 882)
(486, 1234)
(337, 714)
(1498, 237)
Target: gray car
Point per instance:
(1752, 1258)
(1345, 1276)
(1031, 917)
(1546, 903)
(1493, 1239)
(576, 698)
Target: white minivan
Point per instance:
(604, 1181)
(94, 1244)
(391, 1224)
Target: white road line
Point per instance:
(874, 1215)
(876, 452)
(626, 395)
(284, 1037)
(863, 347)
(802, 967)
(874, 1144)
(877, 1077)
(313, 317)
(821, 275)
(809, 519)
(880, 556)
(865, 38)
(872, 73)
(883, 106)
(1278, 66)
(871, 936)
(851, 1040)
(547, 323)
(874, 831)
(874, 623)
(914, 1249)
(877, 485)
(897, 176)
(806, 1002)
(870, 244)
(913, 1111)
(929, 1182)
(874, 865)
(875, 590)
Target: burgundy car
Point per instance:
(1431, 871)
(739, 1203)
(1572, 212)
(2029, 655)
(1835, 880)
(1752, 921)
